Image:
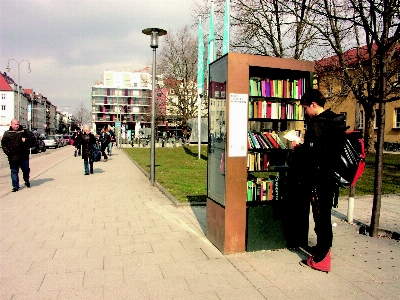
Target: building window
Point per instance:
(361, 120)
(398, 80)
(397, 117)
(3, 96)
(3, 107)
(171, 92)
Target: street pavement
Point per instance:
(112, 235)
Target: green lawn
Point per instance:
(185, 176)
(390, 176)
(178, 170)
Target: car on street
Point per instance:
(51, 141)
(67, 139)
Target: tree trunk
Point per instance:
(369, 136)
(376, 207)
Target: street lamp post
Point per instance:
(154, 34)
(19, 76)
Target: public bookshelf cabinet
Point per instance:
(251, 95)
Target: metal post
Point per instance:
(118, 129)
(18, 85)
(154, 34)
(153, 119)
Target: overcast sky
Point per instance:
(69, 43)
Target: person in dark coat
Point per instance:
(16, 143)
(104, 139)
(76, 138)
(323, 138)
(87, 141)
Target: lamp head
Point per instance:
(154, 34)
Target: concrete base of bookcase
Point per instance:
(265, 230)
(277, 225)
(225, 228)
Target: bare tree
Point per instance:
(355, 31)
(178, 64)
(267, 27)
(82, 116)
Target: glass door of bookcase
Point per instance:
(217, 131)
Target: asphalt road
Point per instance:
(4, 160)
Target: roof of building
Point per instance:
(351, 57)
(5, 82)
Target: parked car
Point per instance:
(67, 139)
(51, 141)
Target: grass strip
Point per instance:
(179, 171)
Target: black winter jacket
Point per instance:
(322, 143)
(14, 147)
(87, 141)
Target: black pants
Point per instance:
(321, 204)
(103, 150)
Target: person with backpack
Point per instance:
(321, 150)
(104, 139)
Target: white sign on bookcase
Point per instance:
(238, 104)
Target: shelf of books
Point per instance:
(249, 161)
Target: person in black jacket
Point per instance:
(104, 139)
(87, 141)
(321, 150)
(76, 138)
(16, 143)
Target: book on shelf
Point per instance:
(263, 189)
(257, 161)
(272, 140)
(277, 88)
(260, 108)
(278, 140)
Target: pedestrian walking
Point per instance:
(104, 139)
(76, 139)
(87, 142)
(321, 150)
(111, 142)
(16, 143)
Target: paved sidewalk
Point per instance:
(112, 235)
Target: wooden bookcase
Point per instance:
(234, 224)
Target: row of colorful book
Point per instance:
(264, 140)
(279, 88)
(263, 189)
(275, 110)
(257, 161)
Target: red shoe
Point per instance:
(324, 265)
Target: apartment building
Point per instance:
(121, 99)
(36, 112)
